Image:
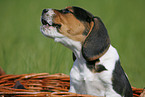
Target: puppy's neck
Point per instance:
(78, 53)
(75, 46)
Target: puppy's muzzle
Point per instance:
(47, 18)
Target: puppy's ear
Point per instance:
(97, 41)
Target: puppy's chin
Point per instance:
(50, 31)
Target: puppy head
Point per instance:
(72, 22)
(78, 25)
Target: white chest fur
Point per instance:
(83, 81)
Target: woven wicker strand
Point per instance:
(42, 85)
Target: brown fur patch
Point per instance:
(70, 25)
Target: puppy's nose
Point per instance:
(44, 11)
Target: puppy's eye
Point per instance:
(66, 11)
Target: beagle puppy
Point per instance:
(96, 69)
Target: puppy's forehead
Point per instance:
(80, 13)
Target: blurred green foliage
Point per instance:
(23, 49)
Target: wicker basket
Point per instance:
(40, 85)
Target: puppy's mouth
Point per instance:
(44, 22)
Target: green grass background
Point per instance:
(23, 49)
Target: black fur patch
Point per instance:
(100, 68)
(74, 57)
(82, 14)
(120, 82)
(95, 68)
